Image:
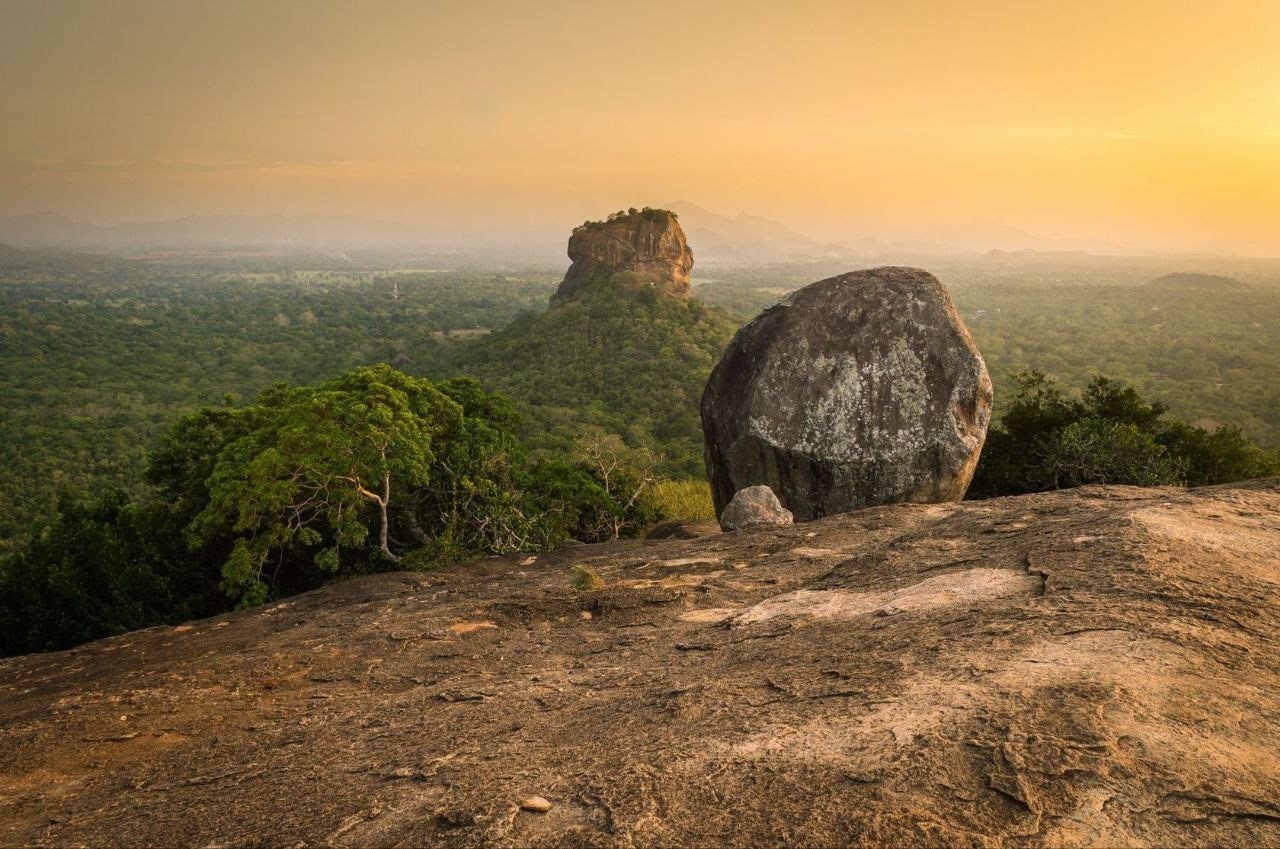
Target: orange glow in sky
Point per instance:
(1153, 124)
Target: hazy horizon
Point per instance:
(1151, 127)
(740, 228)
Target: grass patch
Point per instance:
(585, 579)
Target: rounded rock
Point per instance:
(859, 390)
(754, 505)
(536, 804)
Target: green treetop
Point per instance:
(318, 457)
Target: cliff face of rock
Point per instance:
(1092, 667)
(859, 390)
(649, 246)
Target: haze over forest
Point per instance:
(1097, 126)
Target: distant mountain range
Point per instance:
(747, 238)
(750, 239)
(302, 232)
(716, 239)
(979, 236)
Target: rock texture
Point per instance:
(859, 390)
(755, 505)
(1095, 667)
(648, 245)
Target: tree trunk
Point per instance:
(382, 515)
(415, 528)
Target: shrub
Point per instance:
(585, 578)
(684, 500)
(1100, 451)
(1048, 439)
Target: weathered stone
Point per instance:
(536, 804)
(1105, 677)
(859, 390)
(754, 505)
(649, 246)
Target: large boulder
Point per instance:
(859, 390)
(647, 247)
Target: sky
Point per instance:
(1149, 124)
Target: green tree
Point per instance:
(1097, 450)
(98, 569)
(625, 475)
(483, 496)
(183, 457)
(1047, 439)
(317, 457)
(1221, 455)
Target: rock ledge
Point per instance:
(1094, 667)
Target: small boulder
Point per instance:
(535, 804)
(755, 505)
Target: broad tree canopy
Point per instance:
(318, 458)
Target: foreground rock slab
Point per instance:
(859, 390)
(1086, 668)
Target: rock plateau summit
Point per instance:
(647, 246)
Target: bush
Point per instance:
(1048, 439)
(584, 579)
(684, 500)
(99, 569)
(1218, 456)
(1100, 451)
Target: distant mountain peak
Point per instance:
(631, 247)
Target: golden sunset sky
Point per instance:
(1152, 124)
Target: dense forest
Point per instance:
(370, 471)
(187, 435)
(99, 354)
(630, 362)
